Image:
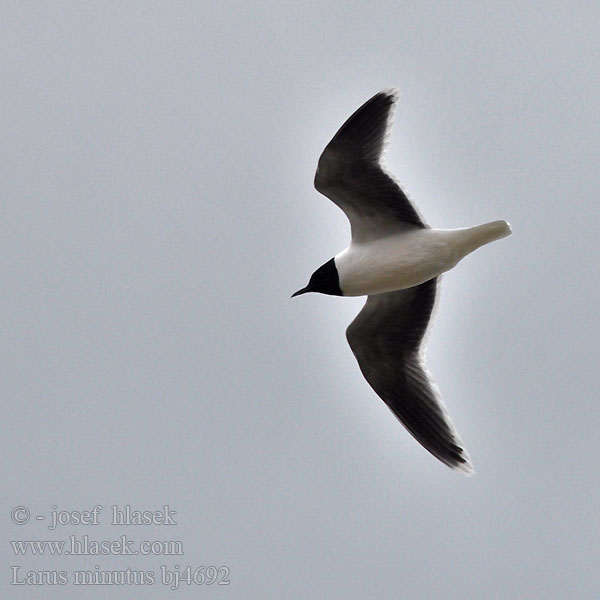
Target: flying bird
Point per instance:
(395, 259)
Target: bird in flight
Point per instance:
(395, 259)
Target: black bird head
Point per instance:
(324, 280)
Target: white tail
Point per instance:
(474, 237)
(494, 231)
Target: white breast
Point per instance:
(392, 263)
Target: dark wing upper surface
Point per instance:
(350, 173)
(386, 338)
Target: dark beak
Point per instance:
(302, 291)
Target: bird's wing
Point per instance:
(386, 339)
(351, 175)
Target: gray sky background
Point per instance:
(158, 211)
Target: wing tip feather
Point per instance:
(393, 93)
(464, 464)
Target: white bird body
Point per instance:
(403, 260)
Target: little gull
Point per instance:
(395, 259)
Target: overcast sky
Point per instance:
(158, 212)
